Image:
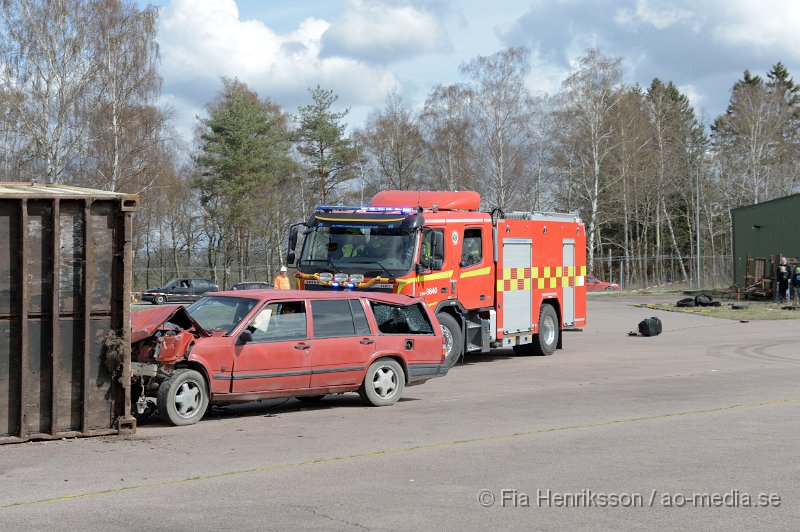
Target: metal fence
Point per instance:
(629, 272)
(633, 273)
(144, 278)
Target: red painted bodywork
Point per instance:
(307, 366)
(490, 285)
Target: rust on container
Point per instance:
(64, 288)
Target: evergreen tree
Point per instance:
(329, 156)
(244, 153)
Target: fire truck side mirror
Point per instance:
(290, 254)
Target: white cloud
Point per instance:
(766, 24)
(204, 40)
(376, 30)
(659, 17)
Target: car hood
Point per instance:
(146, 322)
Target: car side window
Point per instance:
(471, 248)
(332, 318)
(401, 319)
(431, 254)
(285, 320)
(359, 318)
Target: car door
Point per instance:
(198, 288)
(475, 288)
(278, 357)
(343, 342)
(181, 291)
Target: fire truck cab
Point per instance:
(494, 279)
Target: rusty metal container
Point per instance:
(65, 270)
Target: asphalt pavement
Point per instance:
(695, 428)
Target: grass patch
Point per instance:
(754, 310)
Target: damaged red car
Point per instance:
(242, 346)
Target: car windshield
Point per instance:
(372, 251)
(221, 313)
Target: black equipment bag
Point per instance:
(650, 327)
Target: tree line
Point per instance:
(79, 87)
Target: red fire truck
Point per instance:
(495, 279)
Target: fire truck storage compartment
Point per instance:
(517, 304)
(65, 271)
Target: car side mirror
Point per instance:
(245, 337)
(290, 258)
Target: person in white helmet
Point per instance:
(281, 282)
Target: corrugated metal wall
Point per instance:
(765, 229)
(64, 285)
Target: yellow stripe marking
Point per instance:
(401, 283)
(401, 450)
(475, 273)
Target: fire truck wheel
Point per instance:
(183, 398)
(545, 342)
(452, 336)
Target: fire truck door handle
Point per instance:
(453, 286)
(302, 346)
(483, 297)
(367, 341)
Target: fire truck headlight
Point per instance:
(340, 277)
(335, 285)
(356, 278)
(350, 286)
(326, 277)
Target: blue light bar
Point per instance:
(366, 208)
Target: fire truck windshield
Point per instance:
(371, 251)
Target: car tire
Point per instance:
(159, 300)
(545, 342)
(453, 341)
(310, 398)
(183, 398)
(383, 383)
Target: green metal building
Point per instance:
(765, 229)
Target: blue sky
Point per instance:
(362, 49)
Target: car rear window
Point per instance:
(401, 319)
(332, 318)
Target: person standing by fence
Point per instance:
(782, 281)
(796, 284)
(281, 282)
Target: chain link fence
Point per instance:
(632, 273)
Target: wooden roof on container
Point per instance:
(51, 191)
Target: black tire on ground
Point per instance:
(544, 343)
(310, 398)
(702, 300)
(183, 398)
(453, 340)
(159, 300)
(685, 302)
(738, 307)
(383, 383)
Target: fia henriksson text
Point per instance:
(545, 498)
